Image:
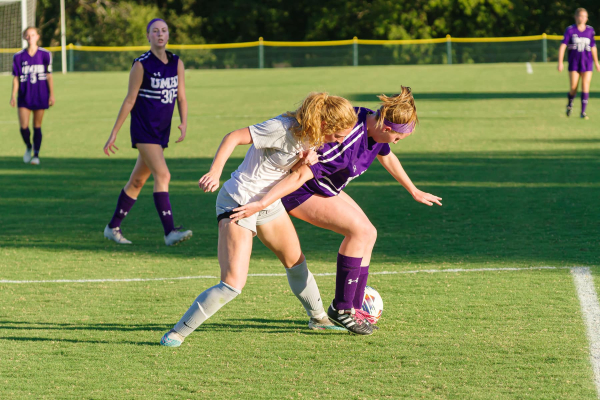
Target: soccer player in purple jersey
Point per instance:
(156, 81)
(583, 55)
(32, 70)
(276, 146)
(322, 202)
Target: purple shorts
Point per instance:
(38, 105)
(296, 198)
(144, 137)
(581, 66)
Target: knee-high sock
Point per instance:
(346, 281)
(26, 135)
(360, 288)
(206, 304)
(570, 97)
(124, 205)
(37, 141)
(584, 101)
(303, 285)
(163, 206)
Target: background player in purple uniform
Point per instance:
(322, 202)
(156, 81)
(583, 55)
(32, 70)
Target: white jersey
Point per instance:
(274, 151)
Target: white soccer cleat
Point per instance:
(27, 156)
(116, 235)
(35, 161)
(177, 236)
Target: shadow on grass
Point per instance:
(36, 339)
(446, 96)
(537, 208)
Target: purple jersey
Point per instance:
(340, 163)
(579, 45)
(153, 110)
(32, 72)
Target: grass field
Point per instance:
(520, 184)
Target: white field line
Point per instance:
(584, 283)
(177, 278)
(529, 68)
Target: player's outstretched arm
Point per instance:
(393, 166)
(286, 186)
(15, 89)
(210, 181)
(135, 82)
(182, 105)
(561, 56)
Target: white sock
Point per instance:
(206, 304)
(303, 285)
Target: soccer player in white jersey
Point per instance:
(277, 144)
(32, 81)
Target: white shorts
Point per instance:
(226, 204)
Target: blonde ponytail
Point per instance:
(398, 109)
(321, 114)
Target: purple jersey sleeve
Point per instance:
(16, 68)
(567, 37)
(385, 150)
(48, 62)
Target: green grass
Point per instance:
(520, 184)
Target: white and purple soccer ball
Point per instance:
(372, 303)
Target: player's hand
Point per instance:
(183, 129)
(426, 198)
(110, 143)
(13, 102)
(246, 211)
(560, 67)
(51, 101)
(598, 67)
(209, 182)
(308, 157)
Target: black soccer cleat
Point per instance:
(350, 320)
(569, 109)
(584, 116)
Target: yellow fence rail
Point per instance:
(267, 48)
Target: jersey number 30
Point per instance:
(168, 95)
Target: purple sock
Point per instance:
(360, 288)
(25, 134)
(37, 141)
(584, 101)
(570, 97)
(346, 281)
(124, 205)
(163, 206)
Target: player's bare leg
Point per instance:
(281, 238)
(24, 115)
(574, 82)
(234, 249)
(154, 158)
(586, 80)
(332, 213)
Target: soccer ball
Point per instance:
(372, 303)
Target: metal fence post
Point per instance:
(544, 48)
(449, 48)
(71, 63)
(261, 53)
(355, 51)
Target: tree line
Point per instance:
(119, 23)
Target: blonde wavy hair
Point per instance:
(398, 109)
(321, 114)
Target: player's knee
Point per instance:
(371, 231)
(163, 177)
